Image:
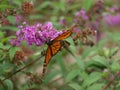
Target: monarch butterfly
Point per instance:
(54, 46)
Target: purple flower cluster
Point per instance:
(114, 9)
(82, 14)
(112, 20)
(35, 34)
(63, 22)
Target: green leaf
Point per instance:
(75, 86)
(118, 88)
(5, 6)
(83, 75)
(50, 76)
(2, 34)
(88, 51)
(1, 70)
(115, 66)
(13, 28)
(95, 87)
(75, 6)
(114, 36)
(36, 16)
(61, 62)
(1, 46)
(101, 43)
(87, 4)
(72, 74)
(12, 52)
(104, 52)
(80, 63)
(9, 84)
(59, 5)
(7, 39)
(43, 5)
(92, 78)
(4, 47)
(113, 51)
(2, 56)
(2, 87)
(11, 19)
(7, 68)
(17, 2)
(98, 61)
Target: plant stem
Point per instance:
(19, 70)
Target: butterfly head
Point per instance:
(48, 41)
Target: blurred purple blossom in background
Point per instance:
(63, 22)
(35, 34)
(82, 14)
(18, 19)
(112, 20)
(114, 8)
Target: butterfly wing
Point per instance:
(51, 51)
(47, 59)
(54, 46)
(64, 35)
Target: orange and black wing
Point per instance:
(47, 59)
(55, 46)
(64, 35)
(51, 51)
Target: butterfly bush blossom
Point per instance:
(63, 22)
(81, 15)
(35, 34)
(114, 9)
(112, 20)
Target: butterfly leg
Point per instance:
(66, 45)
(43, 52)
